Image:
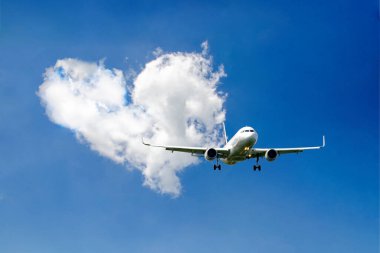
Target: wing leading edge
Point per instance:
(222, 152)
(257, 152)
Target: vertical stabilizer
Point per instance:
(224, 133)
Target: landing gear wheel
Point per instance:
(257, 166)
(217, 166)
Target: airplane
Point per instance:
(237, 149)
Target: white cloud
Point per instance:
(204, 46)
(158, 52)
(173, 100)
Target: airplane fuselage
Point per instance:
(240, 145)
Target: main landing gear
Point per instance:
(257, 166)
(217, 165)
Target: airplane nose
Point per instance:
(252, 138)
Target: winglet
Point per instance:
(323, 142)
(151, 145)
(143, 142)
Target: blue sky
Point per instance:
(295, 70)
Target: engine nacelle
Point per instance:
(271, 155)
(210, 154)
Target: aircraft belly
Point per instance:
(227, 161)
(238, 153)
(233, 160)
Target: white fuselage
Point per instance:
(240, 145)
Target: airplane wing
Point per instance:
(196, 151)
(258, 152)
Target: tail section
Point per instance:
(225, 133)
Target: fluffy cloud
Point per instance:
(173, 100)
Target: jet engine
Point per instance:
(210, 154)
(271, 155)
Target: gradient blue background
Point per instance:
(296, 70)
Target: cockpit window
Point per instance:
(251, 131)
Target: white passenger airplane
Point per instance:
(239, 148)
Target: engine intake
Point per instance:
(271, 155)
(210, 154)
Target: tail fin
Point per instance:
(224, 133)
